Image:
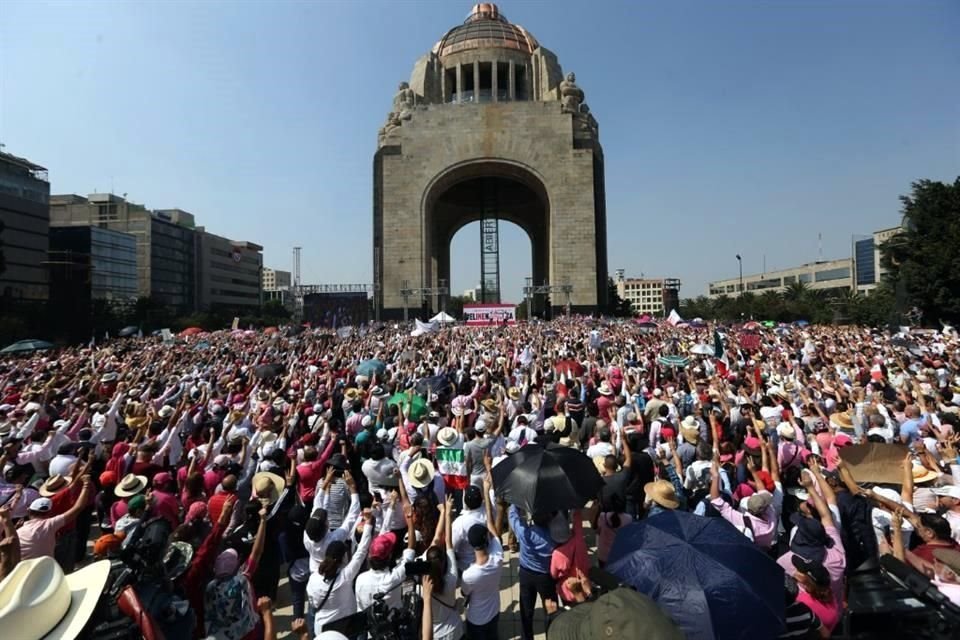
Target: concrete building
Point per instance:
(653, 296)
(90, 263)
(165, 242)
(473, 294)
(274, 279)
(829, 275)
(489, 128)
(25, 214)
(229, 273)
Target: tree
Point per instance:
(924, 257)
(275, 311)
(616, 306)
(455, 305)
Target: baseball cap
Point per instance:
(478, 536)
(813, 569)
(472, 497)
(41, 505)
(621, 613)
(382, 546)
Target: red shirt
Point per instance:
(201, 571)
(311, 473)
(166, 506)
(62, 501)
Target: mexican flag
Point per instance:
(720, 354)
(452, 465)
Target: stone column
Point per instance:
(493, 79)
(476, 81)
(459, 82)
(512, 82)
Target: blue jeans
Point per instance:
(298, 595)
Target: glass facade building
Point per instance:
(90, 263)
(863, 255)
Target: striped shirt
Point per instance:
(801, 622)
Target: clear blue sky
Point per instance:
(727, 126)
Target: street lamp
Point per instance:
(740, 264)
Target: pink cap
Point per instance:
(751, 442)
(382, 546)
(842, 440)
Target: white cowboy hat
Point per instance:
(605, 389)
(268, 486)
(37, 601)
(421, 473)
(130, 485)
(447, 437)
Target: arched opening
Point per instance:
(516, 261)
(470, 192)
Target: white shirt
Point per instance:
(341, 602)
(370, 583)
(481, 582)
(600, 450)
(447, 624)
(316, 549)
(60, 465)
(461, 526)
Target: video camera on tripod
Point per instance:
(386, 623)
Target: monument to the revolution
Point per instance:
(489, 128)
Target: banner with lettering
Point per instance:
(488, 315)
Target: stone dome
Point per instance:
(486, 28)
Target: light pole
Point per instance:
(740, 264)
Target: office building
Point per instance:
(24, 212)
(651, 296)
(867, 252)
(472, 294)
(274, 279)
(829, 275)
(165, 242)
(229, 273)
(90, 263)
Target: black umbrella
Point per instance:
(265, 371)
(547, 478)
(126, 332)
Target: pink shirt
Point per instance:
(764, 529)
(606, 533)
(38, 537)
(828, 612)
(835, 562)
(569, 557)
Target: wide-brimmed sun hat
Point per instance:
(663, 493)
(421, 473)
(38, 601)
(130, 485)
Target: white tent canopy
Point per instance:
(443, 318)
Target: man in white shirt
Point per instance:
(472, 514)
(480, 583)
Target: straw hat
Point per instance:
(605, 389)
(513, 393)
(690, 430)
(786, 431)
(490, 405)
(447, 437)
(268, 486)
(922, 474)
(663, 493)
(130, 485)
(842, 421)
(421, 473)
(38, 601)
(53, 484)
(351, 394)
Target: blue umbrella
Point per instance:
(702, 572)
(371, 368)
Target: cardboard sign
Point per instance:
(236, 323)
(875, 462)
(167, 336)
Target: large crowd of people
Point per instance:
(171, 486)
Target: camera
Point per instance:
(417, 568)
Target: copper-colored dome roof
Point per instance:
(486, 28)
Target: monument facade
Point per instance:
(489, 128)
